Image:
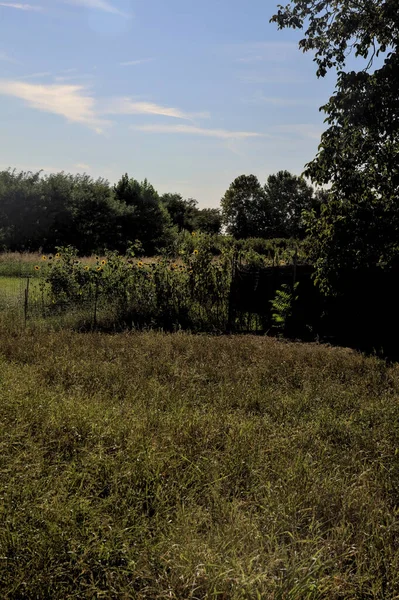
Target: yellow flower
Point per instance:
(139, 264)
(37, 268)
(58, 255)
(99, 268)
(174, 266)
(195, 252)
(103, 262)
(44, 257)
(193, 233)
(87, 268)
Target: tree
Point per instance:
(209, 220)
(143, 217)
(288, 196)
(22, 215)
(182, 212)
(358, 151)
(244, 210)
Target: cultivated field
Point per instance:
(178, 466)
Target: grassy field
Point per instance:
(156, 466)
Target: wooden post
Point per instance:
(295, 264)
(26, 303)
(95, 306)
(231, 312)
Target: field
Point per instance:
(155, 466)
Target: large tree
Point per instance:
(143, 217)
(243, 208)
(358, 154)
(288, 196)
(182, 212)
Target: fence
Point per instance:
(364, 314)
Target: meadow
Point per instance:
(177, 466)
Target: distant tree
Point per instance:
(20, 210)
(288, 196)
(182, 212)
(209, 220)
(244, 208)
(143, 216)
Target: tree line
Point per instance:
(45, 212)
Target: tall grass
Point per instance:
(175, 466)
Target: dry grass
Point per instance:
(155, 466)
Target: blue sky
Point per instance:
(188, 94)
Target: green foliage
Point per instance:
(275, 211)
(282, 306)
(144, 216)
(244, 208)
(288, 196)
(209, 220)
(128, 291)
(358, 152)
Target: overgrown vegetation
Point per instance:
(177, 466)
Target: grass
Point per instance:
(156, 466)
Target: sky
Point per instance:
(184, 93)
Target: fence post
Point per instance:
(95, 307)
(295, 264)
(231, 314)
(26, 303)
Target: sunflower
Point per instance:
(58, 255)
(44, 257)
(140, 264)
(87, 268)
(99, 268)
(37, 268)
(193, 233)
(103, 262)
(195, 252)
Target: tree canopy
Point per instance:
(358, 153)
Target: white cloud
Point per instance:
(126, 106)
(303, 130)
(19, 6)
(36, 75)
(103, 5)
(140, 61)
(82, 166)
(192, 130)
(69, 101)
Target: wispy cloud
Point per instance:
(36, 75)
(280, 76)
(283, 101)
(126, 106)
(192, 130)
(140, 61)
(20, 6)
(103, 5)
(69, 101)
(271, 51)
(73, 77)
(302, 130)
(82, 166)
